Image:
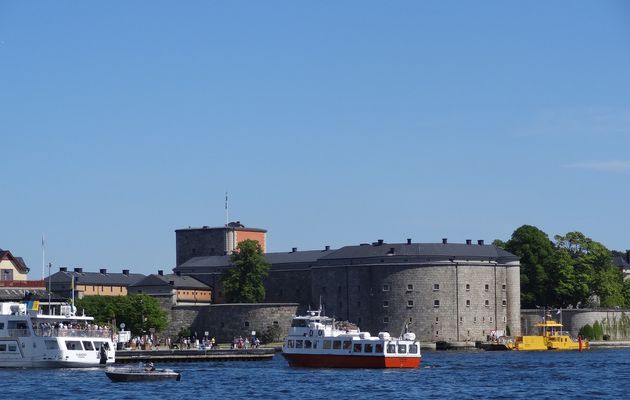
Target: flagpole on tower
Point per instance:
(226, 209)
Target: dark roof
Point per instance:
(96, 278)
(275, 259)
(424, 251)
(621, 262)
(19, 261)
(179, 282)
(231, 228)
(457, 251)
(20, 293)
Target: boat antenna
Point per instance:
(43, 256)
(49, 288)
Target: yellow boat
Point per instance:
(551, 338)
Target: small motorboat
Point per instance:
(146, 372)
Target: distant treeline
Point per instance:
(573, 270)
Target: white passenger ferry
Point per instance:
(29, 339)
(314, 341)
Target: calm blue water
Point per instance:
(448, 374)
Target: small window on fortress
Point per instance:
(503, 287)
(486, 287)
(487, 303)
(436, 303)
(504, 303)
(386, 303)
(385, 288)
(276, 323)
(490, 319)
(409, 288)
(386, 320)
(467, 303)
(437, 319)
(504, 319)
(246, 323)
(436, 287)
(409, 303)
(468, 286)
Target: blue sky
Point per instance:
(329, 123)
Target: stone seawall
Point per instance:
(614, 322)
(225, 321)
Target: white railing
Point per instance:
(19, 332)
(99, 333)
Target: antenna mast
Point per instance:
(43, 257)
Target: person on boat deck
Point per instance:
(149, 366)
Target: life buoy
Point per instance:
(320, 332)
(310, 333)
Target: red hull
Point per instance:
(343, 361)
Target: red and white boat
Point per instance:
(313, 341)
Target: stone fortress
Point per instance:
(444, 291)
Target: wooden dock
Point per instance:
(133, 356)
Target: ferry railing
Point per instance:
(99, 333)
(19, 332)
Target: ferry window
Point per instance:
(3, 347)
(308, 344)
(314, 344)
(73, 345)
(337, 344)
(436, 287)
(385, 288)
(299, 344)
(356, 348)
(402, 349)
(378, 347)
(298, 323)
(409, 303)
(467, 303)
(1, 325)
(486, 287)
(391, 348)
(290, 344)
(327, 344)
(386, 303)
(346, 344)
(88, 345)
(468, 286)
(487, 303)
(504, 303)
(385, 320)
(409, 288)
(436, 303)
(12, 347)
(413, 349)
(51, 345)
(368, 348)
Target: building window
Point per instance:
(409, 288)
(386, 320)
(504, 319)
(486, 287)
(467, 303)
(483, 319)
(437, 333)
(385, 288)
(276, 323)
(468, 286)
(503, 287)
(475, 319)
(436, 287)
(409, 303)
(490, 319)
(246, 324)
(410, 320)
(461, 319)
(504, 303)
(487, 303)
(436, 303)
(437, 319)
(386, 304)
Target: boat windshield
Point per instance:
(299, 323)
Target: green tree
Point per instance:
(243, 282)
(626, 293)
(586, 332)
(594, 274)
(598, 331)
(537, 255)
(139, 312)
